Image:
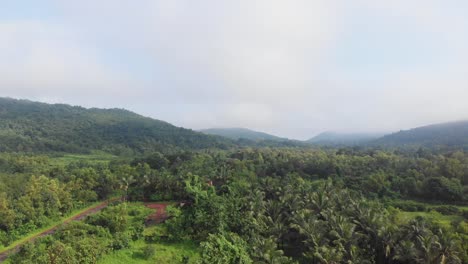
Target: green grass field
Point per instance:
(165, 253)
(429, 212)
(439, 218)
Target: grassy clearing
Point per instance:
(444, 220)
(411, 209)
(462, 207)
(426, 204)
(165, 253)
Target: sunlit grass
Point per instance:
(165, 253)
(436, 217)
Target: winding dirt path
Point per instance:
(78, 217)
(159, 215)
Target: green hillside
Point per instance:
(334, 139)
(241, 133)
(38, 127)
(445, 135)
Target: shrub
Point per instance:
(149, 251)
(121, 240)
(447, 209)
(465, 214)
(152, 237)
(409, 206)
(136, 231)
(4, 238)
(175, 224)
(225, 248)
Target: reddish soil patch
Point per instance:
(159, 215)
(52, 230)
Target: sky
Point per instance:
(293, 68)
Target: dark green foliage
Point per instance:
(28, 202)
(408, 206)
(452, 135)
(121, 240)
(465, 214)
(74, 243)
(443, 189)
(241, 133)
(32, 127)
(113, 218)
(252, 205)
(149, 251)
(225, 249)
(447, 210)
(37, 127)
(80, 242)
(273, 201)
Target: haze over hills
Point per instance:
(242, 133)
(443, 135)
(451, 134)
(39, 127)
(334, 138)
(28, 126)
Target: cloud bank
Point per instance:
(293, 68)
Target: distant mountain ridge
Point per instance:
(242, 133)
(334, 138)
(27, 126)
(451, 134)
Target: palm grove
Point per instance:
(253, 205)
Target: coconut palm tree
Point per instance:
(265, 251)
(449, 249)
(125, 184)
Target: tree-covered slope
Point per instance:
(38, 127)
(453, 134)
(333, 138)
(241, 133)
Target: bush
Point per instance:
(149, 251)
(175, 224)
(465, 214)
(4, 238)
(409, 206)
(225, 248)
(120, 241)
(152, 237)
(447, 210)
(136, 231)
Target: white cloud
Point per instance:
(264, 64)
(43, 60)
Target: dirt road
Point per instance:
(159, 215)
(4, 255)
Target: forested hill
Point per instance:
(453, 134)
(241, 133)
(347, 139)
(27, 126)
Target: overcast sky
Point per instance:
(291, 67)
